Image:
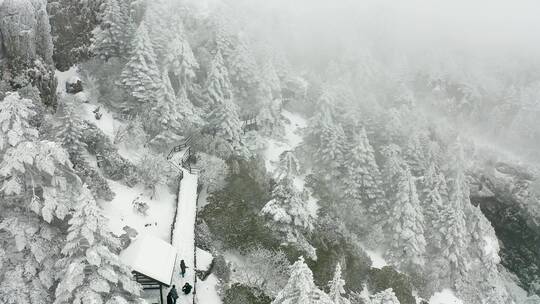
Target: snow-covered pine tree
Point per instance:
(483, 282)
(337, 288)
(69, 134)
(415, 153)
(433, 198)
(90, 269)
(158, 19)
(218, 84)
(384, 297)
(179, 58)
(288, 215)
(111, 38)
(326, 142)
(300, 288)
(154, 170)
(164, 122)
(362, 176)
(141, 76)
(244, 74)
(484, 244)
(451, 223)
(288, 165)
(270, 79)
(269, 117)
(406, 220)
(225, 38)
(223, 120)
(226, 124)
(37, 186)
(15, 113)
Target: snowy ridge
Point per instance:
(183, 237)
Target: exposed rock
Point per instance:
(26, 47)
(74, 85)
(513, 208)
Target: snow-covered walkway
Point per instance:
(183, 238)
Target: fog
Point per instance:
(471, 28)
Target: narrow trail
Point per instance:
(183, 236)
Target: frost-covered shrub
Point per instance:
(222, 269)
(131, 134)
(335, 244)
(96, 183)
(388, 277)
(264, 269)
(96, 141)
(203, 236)
(154, 170)
(241, 294)
(232, 214)
(213, 171)
(116, 167)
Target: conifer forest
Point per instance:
(269, 152)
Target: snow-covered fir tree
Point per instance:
(37, 188)
(384, 297)
(164, 121)
(327, 141)
(406, 219)
(158, 18)
(337, 288)
(245, 76)
(300, 288)
(218, 84)
(223, 121)
(141, 75)
(69, 133)
(112, 37)
(14, 119)
(363, 178)
(289, 215)
(288, 165)
(179, 58)
(91, 271)
(433, 198)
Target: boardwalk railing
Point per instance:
(187, 142)
(180, 177)
(249, 122)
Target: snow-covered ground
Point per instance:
(63, 77)
(376, 258)
(121, 213)
(183, 238)
(294, 123)
(105, 123)
(446, 296)
(206, 290)
(290, 141)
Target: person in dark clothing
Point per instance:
(187, 288)
(183, 268)
(172, 296)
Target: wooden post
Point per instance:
(161, 293)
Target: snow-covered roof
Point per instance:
(152, 257)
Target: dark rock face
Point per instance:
(26, 47)
(520, 250)
(512, 209)
(74, 86)
(72, 44)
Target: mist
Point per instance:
(270, 151)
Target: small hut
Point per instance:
(152, 261)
